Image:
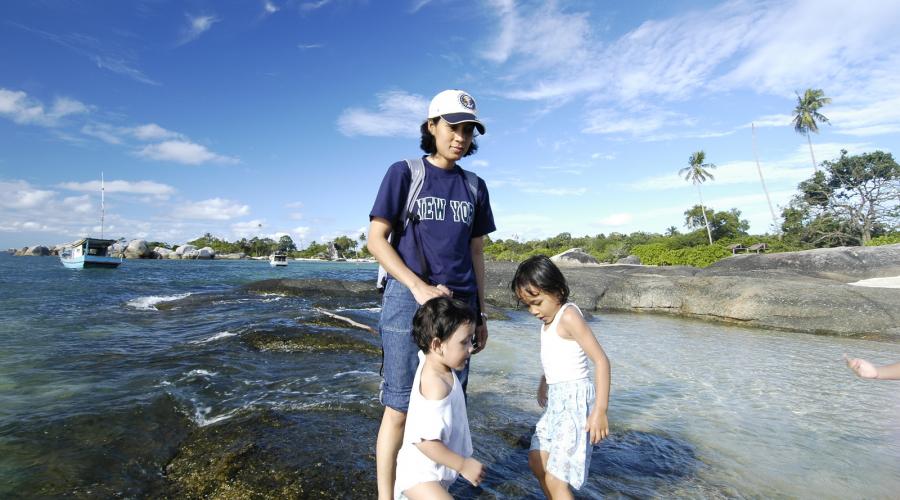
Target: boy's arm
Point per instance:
(468, 468)
(574, 325)
(379, 246)
(476, 246)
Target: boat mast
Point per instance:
(102, 208)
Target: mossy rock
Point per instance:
(310, 454)
(296, 340)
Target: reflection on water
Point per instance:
(763, 413)
(100, 385)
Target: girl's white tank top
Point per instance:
(563, 359)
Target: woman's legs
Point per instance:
(390, 437)
(427, 491)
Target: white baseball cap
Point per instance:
(455, 106)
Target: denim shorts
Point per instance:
(401, 354)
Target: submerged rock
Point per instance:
(309, 454)
(299, 340)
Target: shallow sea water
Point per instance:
(95, 382)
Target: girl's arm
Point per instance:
(387, 256)
(468, 468)
(573, 325)
(542, 392)
(865, 369)
(476, 246)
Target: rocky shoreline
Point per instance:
(806, 291)
(799, 291)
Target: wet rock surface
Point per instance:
(310, 340)
(303, 454)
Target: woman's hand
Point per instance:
(423, 292)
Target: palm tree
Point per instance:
(807, 116)
(697, 173)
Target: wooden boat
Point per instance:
(88, 253)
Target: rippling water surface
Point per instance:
(99, 387)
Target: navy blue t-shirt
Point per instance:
(449, 218)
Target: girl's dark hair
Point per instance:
(427, 143)
(541, 273)
(438, 319)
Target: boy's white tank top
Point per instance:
(563, 359)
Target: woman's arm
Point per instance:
(573, 325)
(390, 260)
(476, 246)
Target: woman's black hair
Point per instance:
(438, 319)
(541, 273)
(427, 144)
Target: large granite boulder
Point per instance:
(633, 260)
(35, 251)
(231, 256)
(187, 252)
(206, 253)
(162, 252)
(117, 249)
(801, 291)
(574, 257)
(137, 249)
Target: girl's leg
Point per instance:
(537, 462)
(554, 488)
(427, 491)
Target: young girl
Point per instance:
(575, 415)
(437, 446)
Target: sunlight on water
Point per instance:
(768, 413)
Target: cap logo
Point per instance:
(467, 101)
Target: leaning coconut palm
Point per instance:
(697, 173)
(807, 116)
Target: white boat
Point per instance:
(278, 259)
(87, 253)
(90, 252)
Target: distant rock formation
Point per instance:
(799, 291)
(574, 257)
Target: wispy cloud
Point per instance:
(182, 151)
(196, 26)
(314, 5)
(104, 54)
(620, 219)
(270, 7)
(309, 46)
(768, 47)
(212, 209)
(22, 195)
(155, 189)
(20, 108)
(398, 114)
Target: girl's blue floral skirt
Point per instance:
(562, 430)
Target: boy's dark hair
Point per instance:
(541, 273)
(427, 144)
(438, 319)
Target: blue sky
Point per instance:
(270, 117)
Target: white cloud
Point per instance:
(269, 7)
(480, 163)
(104, 132)
(601, 156)
(314, 5)
(616, 220)
(25, 110)
(182, 151)
(301, 232)
(308, 46)
(197, 25)
(157, 190)
(212, 209)
(248, 229)
(399, 114)
(21, 195)
(152, 132)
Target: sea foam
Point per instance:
(149, 303)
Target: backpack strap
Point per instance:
(417, 180)
(472, 183)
